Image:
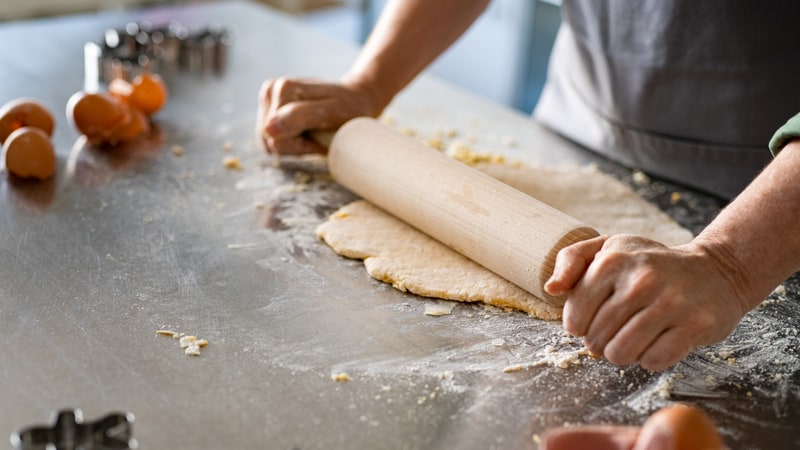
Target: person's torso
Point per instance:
(717, 76)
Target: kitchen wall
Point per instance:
(23, 9)
(503, 57)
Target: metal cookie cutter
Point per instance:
(126, 52)
(69, 432)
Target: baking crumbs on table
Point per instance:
(191, 345)
(340, 377)
(232, 163)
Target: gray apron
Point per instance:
(687, 90)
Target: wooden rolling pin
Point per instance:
(508, 232)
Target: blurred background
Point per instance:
(512, 39)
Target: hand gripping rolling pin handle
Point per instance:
(508, 232)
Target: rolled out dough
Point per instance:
(395, 253)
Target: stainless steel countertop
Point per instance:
(123, 243)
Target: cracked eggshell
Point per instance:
(25, 112)
(28, 153)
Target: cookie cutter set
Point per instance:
(69, 431)
(139, 46)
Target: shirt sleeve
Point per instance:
(787, 132)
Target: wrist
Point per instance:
(375, 93)
(726, 272)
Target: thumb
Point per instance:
(571, 263)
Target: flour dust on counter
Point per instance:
(291, 196)
(396, 253)
(474, 353)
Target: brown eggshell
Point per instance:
(28, 153)
(136, 125)
(146, 92)
(24, 112)
(96, 115)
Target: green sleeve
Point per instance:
(787, 132)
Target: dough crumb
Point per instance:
(190, 344)
(665, 387)
(342, 377)
(640, 177)
(462, 152)
(177, 150)
(435, 143)
(439, 308)
(232, 163)
(192, 350)
(561, 359)
(410, 132)
(188, 341)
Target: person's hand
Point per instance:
(595, 437)
(290, 108)
(677, 426)
(633, 299)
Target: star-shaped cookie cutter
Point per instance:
(69, 431)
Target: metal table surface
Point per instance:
(125, 242)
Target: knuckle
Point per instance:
(570, 251)
(284, 84)
(608, 262)
(667, 304)
(266, 87)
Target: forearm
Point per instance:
(757, 237)
(409, 35)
